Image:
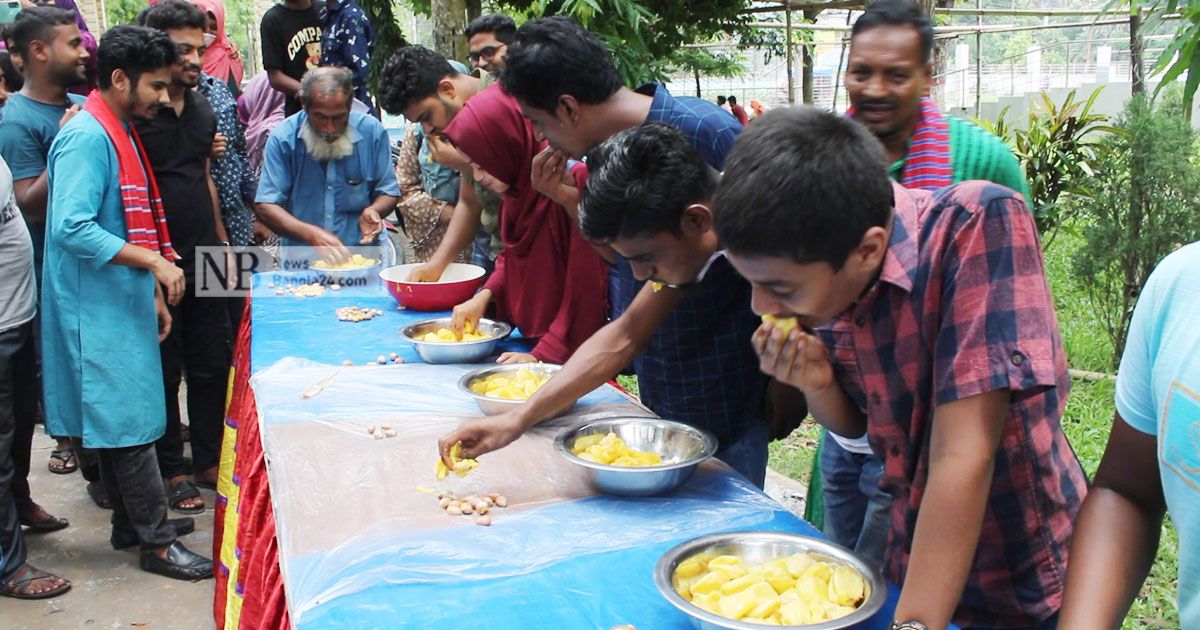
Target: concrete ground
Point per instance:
(109, 590)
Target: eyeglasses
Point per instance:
(486, 53)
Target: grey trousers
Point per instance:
(130, 475)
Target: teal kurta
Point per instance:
(100, 358)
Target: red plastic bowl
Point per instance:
(459, 282)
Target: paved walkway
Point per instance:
(109, 591)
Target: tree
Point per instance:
(1143, 206)
(388, 35)
(449, 20)
(1181, 57)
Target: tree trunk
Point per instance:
(449, 19)
(1136, 69)
(806, 60)
(474, 10)
(697, 71)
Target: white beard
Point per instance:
(324, 150)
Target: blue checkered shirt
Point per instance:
(699, 367)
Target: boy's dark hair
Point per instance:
(802, 184)
(555, 56)
(172, 14)
(410, 75)
(721, 99)
(732, 100)
(13, 81)
(640, 182)
(36, 23)
(134, 49)
(497, 24)
(897, 13)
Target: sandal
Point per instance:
(99, 495)
(48, 522)
(181, 492)
(69, 463)
(21, 584)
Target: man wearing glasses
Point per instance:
(488, 38)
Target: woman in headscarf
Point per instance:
(221, 59)
(260, 109)
(548, 280)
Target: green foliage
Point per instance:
(1181, 57)
(1057, 150)
(388, 35)
(645, 36)
(123, 11)
(1142, 206)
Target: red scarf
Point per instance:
(548, 281)
(145, 221)
(927, 165)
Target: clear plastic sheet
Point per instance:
(360, 547)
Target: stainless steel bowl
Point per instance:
(681, 446)
(755, 547)
(457, 352)
(494, 406)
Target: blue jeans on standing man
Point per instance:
(857, 510)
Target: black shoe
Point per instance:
(125, 540)
(180, 563)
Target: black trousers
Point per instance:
(200, 345)
(130, 475)
(15, 345)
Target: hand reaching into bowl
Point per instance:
(469, 312)
(428, 272)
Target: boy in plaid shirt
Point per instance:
(926, 323)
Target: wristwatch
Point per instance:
(909, 625)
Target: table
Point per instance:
(310, 506)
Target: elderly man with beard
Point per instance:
(178, 141)
(327, 177)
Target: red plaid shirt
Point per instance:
(962, 308)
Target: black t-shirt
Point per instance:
(291, 42)
(178, 148)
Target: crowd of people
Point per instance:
(623, 229)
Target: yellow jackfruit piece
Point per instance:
(737, 605)
(846, 588)
(740, 584)
(785, 324)
(797, 563)
(611, 449)
(710, 583)
(779, 578)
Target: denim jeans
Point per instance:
(857, 510)
(135, 488)
(12, 545)
(748, 455)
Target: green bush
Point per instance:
(1144, 203)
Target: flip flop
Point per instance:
(67, 457)
(18, 587)
(181, 492)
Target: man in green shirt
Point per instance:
(888, 78)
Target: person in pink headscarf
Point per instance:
(222, 59)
